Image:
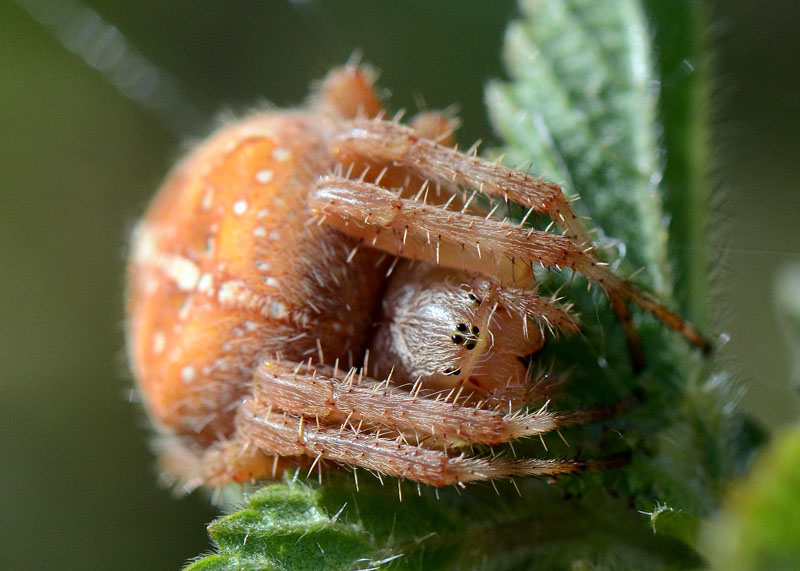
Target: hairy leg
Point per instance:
(433, 234)
(349, 399)
(285, 434)
(389, 141)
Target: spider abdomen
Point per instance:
(227, 269)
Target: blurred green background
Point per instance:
(79, 160)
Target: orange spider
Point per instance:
(264, 260)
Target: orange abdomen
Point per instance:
(226, 269)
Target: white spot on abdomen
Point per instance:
(277, 309)
(234, 293)
(280, 154)
(145, 250)
(159, 342)
(264, 176)
(239, 207)
(206, 284)
(188, 374)
(208, 198)
(183, 272)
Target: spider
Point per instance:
(318, 284)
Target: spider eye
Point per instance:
(452, 371)
(467, 334)
(475, 299)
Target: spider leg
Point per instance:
(354, 399)
(236, 460)
(414, 230)
(547, 312)
(286, 434)
(347, 92)
(372, 424)
(539, 389)
(385, 141)
(389, 141)
(438, 126)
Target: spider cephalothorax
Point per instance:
(451, 330)
(263, 329)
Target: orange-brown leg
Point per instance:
(349, 398)
(433, 234)
(393, 456)
(388, 141)
(370, 424)
(347, 92)
(399, 456)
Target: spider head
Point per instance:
(450, 330)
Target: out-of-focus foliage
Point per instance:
(787, 305)
(760, 524)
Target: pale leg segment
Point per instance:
(384, 141)
(389, 141)
(285, 434)
(433, 234)
(300, 414)
(342, 399)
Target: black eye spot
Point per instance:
(462, 327)
(475, 330)
(470, 346)
(457, 339)
(474, 298)
(452, 371)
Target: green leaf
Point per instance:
(285, 528)
(759, 527)
(598, 109)
(581, 110)
(682, 60)
(582, 107)
(302, 526)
